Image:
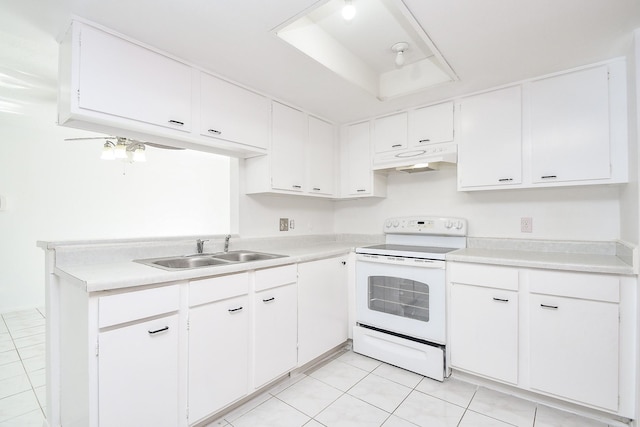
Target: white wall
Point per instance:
(572, 213)
(59, 190)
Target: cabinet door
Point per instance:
(484, 331)
(138, 374)
(390, 133)
(431, 125)
(320, 157)
(122, 79)
(218, 355)
(275, 333)
(322, 307)
(232, 113)
(359, 173)
(490, 140)
(574, 349)
(289, 136)
(570, 127)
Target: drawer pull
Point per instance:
(235, 310)
(214, 131)
(548, 176)
(500, 299)
(551, 307)
(269, 299)
(157, 331)
(316, 189)
(505, 179)
(396, 145)
(176, 122)
(424, 140)
(361, 190)
(297, 186)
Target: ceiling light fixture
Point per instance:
(348, 11)
(108, 152)
(400, 48)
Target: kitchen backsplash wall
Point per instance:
(571, 213)
(61, 190)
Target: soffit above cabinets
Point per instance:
(360, 50)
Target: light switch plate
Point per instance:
(284, 224)
(526, 225)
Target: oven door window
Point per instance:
(399, 297)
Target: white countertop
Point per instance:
(106, 276)
(595, 263)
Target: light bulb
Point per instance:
(120, 151)
(348, 11)
(107, 151)
(400, 58)
(139, 155)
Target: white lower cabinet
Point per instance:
(574, 333)
(323, 316)
(568, 335)
(219, 328)
(484, 331)
(138, 374)
(275, 331)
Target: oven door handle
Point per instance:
(400, 261)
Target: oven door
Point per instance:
(401, 295)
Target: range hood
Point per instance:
(417, 159)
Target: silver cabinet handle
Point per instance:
(235, 310)
(500, 299)
(396, 145)
(548, 176)
(157, 331)
(361, 190)
(214, 131)
(269, 299)
(424, 140)
(316, 189)
(296, 186)
(505, 179)
(176, 122)
(551, 307)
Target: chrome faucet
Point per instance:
(200, 245)
(226, 242)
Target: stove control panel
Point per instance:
(447, 226)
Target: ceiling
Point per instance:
(487, 43)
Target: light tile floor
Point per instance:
(351, 390)
(22, 364)
(356, 391)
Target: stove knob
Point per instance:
(458, 225)
(387, 224)
(448, 224)
(396, 223)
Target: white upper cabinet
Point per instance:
(232, 113)
(431, 125)
(358, 178)
(320, 157)
(390, 133)
(572, 131)
(289, 135)
(570, 127)
(490, 139)
(126, 80)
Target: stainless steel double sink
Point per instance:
(186, 262)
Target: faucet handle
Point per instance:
(200, 245)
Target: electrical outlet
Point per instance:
(284, 224)
(292, 224)
(526, 224)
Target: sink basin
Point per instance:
(206, 260)
(245, 256)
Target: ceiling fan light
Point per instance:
(108, 152)
(348, 11)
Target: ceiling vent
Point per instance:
(381, 48)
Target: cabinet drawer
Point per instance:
(484, 275)
(277, 276)
(130, 306)
(217, 288)
(588, 286)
